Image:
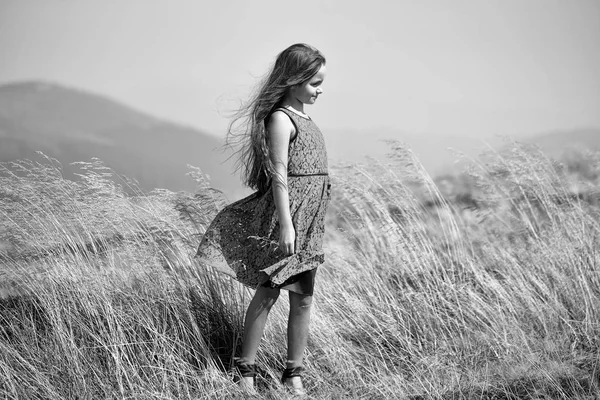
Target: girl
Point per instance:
(272, 239)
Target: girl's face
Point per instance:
(308, 91)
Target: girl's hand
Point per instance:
(287, 239)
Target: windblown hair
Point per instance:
(247, 130)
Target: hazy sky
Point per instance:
(455, 67)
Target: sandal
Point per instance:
(292, 378)
(245, 376)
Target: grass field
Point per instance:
(484, 285)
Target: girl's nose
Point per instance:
(319, 90)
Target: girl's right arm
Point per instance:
(279, 131)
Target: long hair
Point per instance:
(247, 130)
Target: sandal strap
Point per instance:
(291, 372)
(246, 370)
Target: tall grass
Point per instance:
(485, 286)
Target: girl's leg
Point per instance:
(254, 323)
(298, 322)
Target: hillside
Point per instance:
(72, 125)
(556, 143)
(439, 152)
(422, 296)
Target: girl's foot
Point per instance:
(292, 378)
(246, 384)
(246, 373)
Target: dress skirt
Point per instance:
(242, 240)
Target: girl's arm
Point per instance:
(279, 131)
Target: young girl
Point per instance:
(272, 239)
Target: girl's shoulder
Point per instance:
(279, 113)
(282, 114)
(280, 121)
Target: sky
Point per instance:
(460, 67)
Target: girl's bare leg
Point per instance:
(254, 323)
(299, 319)
(298, 322)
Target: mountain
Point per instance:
(72, 125)
(557, 142)
(438, 153)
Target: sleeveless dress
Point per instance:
(242, 240)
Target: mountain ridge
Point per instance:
(72, 124)
(75, 125)
(439, 153)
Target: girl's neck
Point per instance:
(297, 112)
(294, 103)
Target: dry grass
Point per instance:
(489, 289)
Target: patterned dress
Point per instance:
(243, 238)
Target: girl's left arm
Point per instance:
(280, 129)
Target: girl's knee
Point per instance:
(300, 301)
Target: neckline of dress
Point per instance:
(298, 113)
